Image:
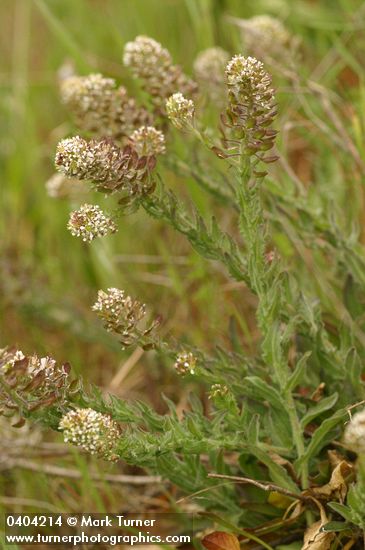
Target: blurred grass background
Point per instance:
(49, 279)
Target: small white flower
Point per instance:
(89, 222)
(145, 56)
(209, 65)
(264, 34)
(185, 363)
(354, 435)
(119, 312)
(94, 432)
(148, 141)
(218, 390)
(180, 110)
(249, 83)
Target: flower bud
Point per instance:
(218, 390)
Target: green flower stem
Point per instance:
(252, 226)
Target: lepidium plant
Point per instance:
(268, 459)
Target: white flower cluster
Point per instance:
(145, 56)
(264, 34)
(180, 110)
(89, 222)
(94, 432)
(89, 93)
(185, 363)
(118, 311)
(102, 108)
(32, 366)
(153, 65)
(103, 163)
(148, 141)
(9, 358)
(209, 65)
(354, 436)
(249, 83)
(74, 158)
(218, 390)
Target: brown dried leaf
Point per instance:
(314, 539)
(220, 540)
(338, 484)
(66, 367)
(318, 393)
(19, 424)
(220, 154)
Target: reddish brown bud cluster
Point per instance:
(107, 166)
(30, 383)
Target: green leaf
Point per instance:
(193, 427)
(356, 499)
(352, 297)
(336, 526)
(172, 468)
(341, 509)
(322, 406)
(278, 474)
(354, 369)
(280, 428)
(322, 435)
(298, 373)
(171, 406)
(253, 430)
(196, 404)
(255, 387)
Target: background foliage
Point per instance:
(49, 279)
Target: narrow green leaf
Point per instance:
(253, 430)
(341, 509)
(257, 388)
(278, 474)
(324, 405)
(354, 368)
(298, 372)
(323, 435)
(335, 527)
